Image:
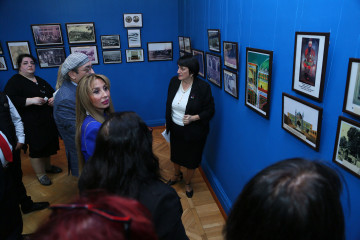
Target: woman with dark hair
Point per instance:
(189, 108)
(124, 163)
(293, 199)
(33, 98)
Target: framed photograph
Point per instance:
(181, 44)
(160, 51)
(3, 66)
(346, 150)
(187, 45)
(213, 69)
(231, 55)
(352, 92)
(47, 34)
(310, 56)
(1, 50)
(134, 38)
(81, 32)
(182, 54)
(231, 83)
(90, 51)
(302, 119)
(200, 56)
(214, 40)
(112, 56)
(17, 48)
(258, 80)
(134, 55)
(51, 57)
(110, 41)
(133, 20)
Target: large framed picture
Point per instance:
(51, 57)
(302, 119)
(134, 38)
(134, 55)
(200, 57)
(110, 41)
(160, 51)
(3, 66)
(1, 50)
(231, 83)
(352, 92)
(181, 44)
(187, 44)
(310, 56)
(231, 54)
(213, 69)
(258, 80)
(346, 150)
(214, 40)
(90, 51)
(112, 56)
(17, 48)
(133, 20)
(81, 32)
(47, 34)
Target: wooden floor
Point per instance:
(202, 218)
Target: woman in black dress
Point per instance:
(32, 97)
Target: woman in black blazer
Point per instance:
(189, 108)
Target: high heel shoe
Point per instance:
(189, 194)
(179, 177)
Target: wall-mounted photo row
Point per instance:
(231, 83)
(258, 80)
(111, 56)
(134, 38)
(200, 57)
(181, 43)
(214, 40)
(346, 150)
(213, 69)
(47, 34)
(110, 41)
(3, 66)
(90, 51)
(231, 55)
(302, 120)
(133, 20)
(352, 92)
(1, 50)
(81, 32)
(17, 48)
(187, 45)
(134, 55)
(160, 51)
(310, 56)
(51, 57)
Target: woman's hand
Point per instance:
(190, 118)
(35, 101)
(51, 102)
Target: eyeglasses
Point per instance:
(87, 69)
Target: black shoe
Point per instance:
(35, 207)
(179, 177)
(45, 180)
(189, 194)
(54, 169)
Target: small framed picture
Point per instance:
(310, 56)
(182, 54)
(187, 45)
(160, 51)
(214, 40)
(133, 20)
(352, 92)
(134, 55)
(258, 80)
(200, 56)
(51, 57)
(181, 44)
(112, 56)
(47, 34)
(1, 49)
(346, 150)
(302, 119)
(3, 66)
(90, 51)
(110, 41)
(134, 38)
(17, 48)
(81, 32)
(231, 83)
(213, 69)
(231, 55)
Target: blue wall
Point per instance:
(241, 142)
(139, 87)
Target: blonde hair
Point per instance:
(60, 79)
(85, 107)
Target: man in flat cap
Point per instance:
(75, 66)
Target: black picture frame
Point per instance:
(51, 57)
(134, 38)
(352, 92)
(47, 34)
(134, 55)
(213, 69)
(160, 51)
(112, 56)
(1, 49)
(231, 83)
(110, 41)
(3, 66)
(200, 56)
(231, 55)
(214, 40)
(15, 49)
(89, 50)
(133, 20)
(81, 32)
(187, 45)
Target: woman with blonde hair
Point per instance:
(93, 104)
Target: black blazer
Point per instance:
(200, 102)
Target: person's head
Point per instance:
(95, 216)
(76, 66)
(293, 199)
(188, 67)
(310, 43)
(123, 159)
(26, 64)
